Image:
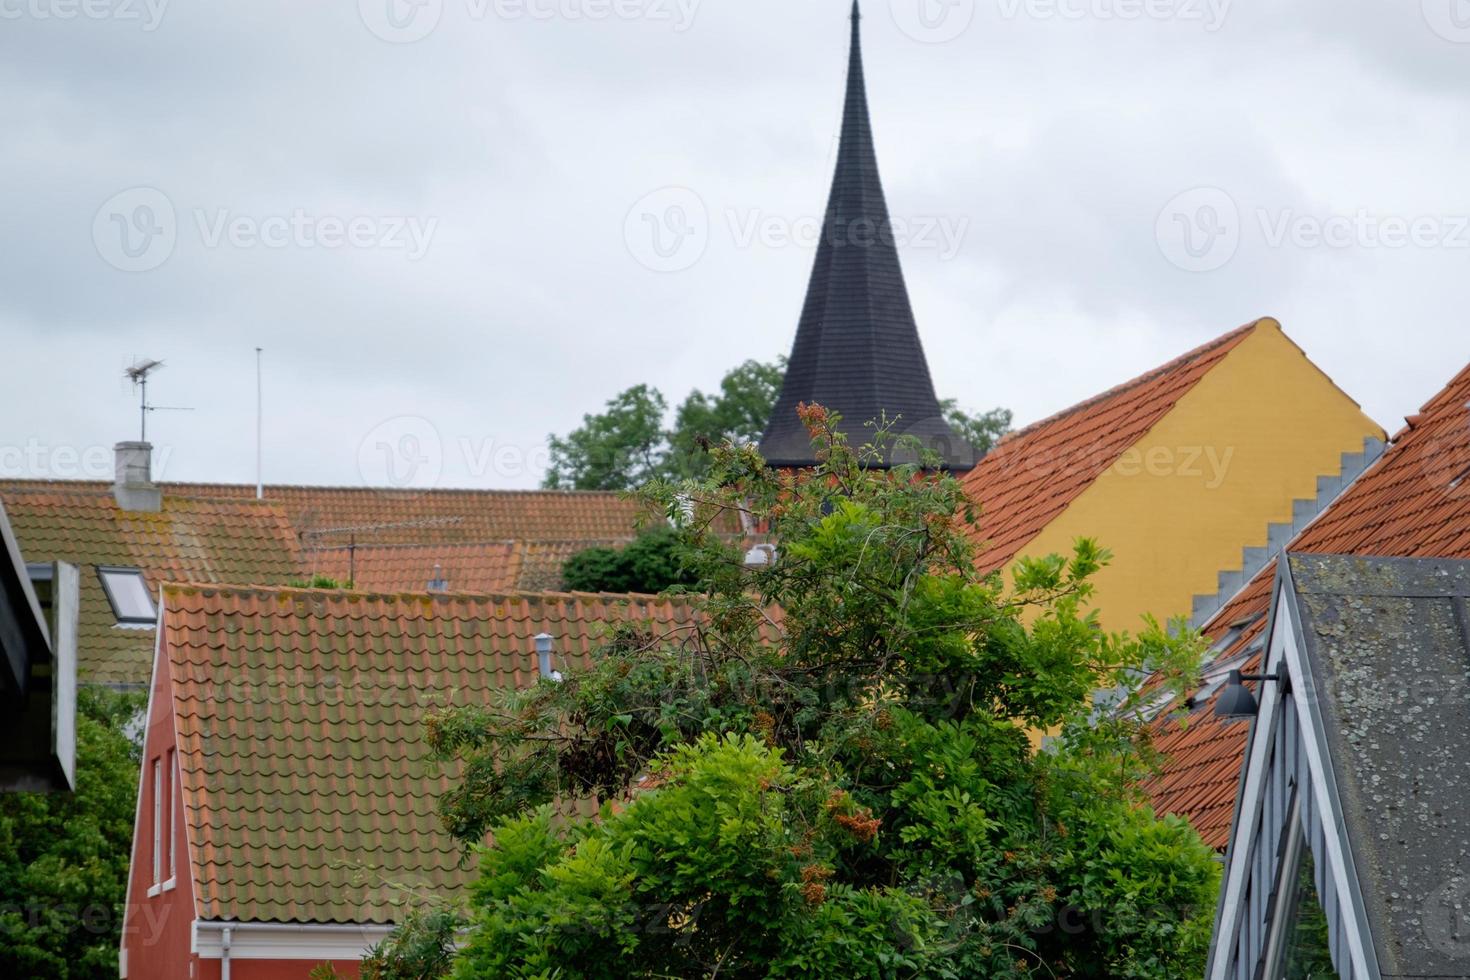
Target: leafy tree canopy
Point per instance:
(738, 413)
(64, 856)
(626, 445)
(857, 797)
(616, 450)
(652, 563)
(982, 431)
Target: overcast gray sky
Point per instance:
(457, 225)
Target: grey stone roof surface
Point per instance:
(23, 637)
(857, 349)
(1388, 643)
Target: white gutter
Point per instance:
(229, 941)
(297, 927)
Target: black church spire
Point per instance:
(857, 347)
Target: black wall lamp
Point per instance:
(1237, 702)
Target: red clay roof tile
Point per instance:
(239, 541)
(1032, 475)
(494, 567)
(388, 516)
(1414, 502)
(299, 724)
(445, 516)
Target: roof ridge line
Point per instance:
(233, 589)
(418, 545)
(1183, 360)
(171, 488)
(396, 491)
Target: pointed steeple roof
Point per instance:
(857, 347)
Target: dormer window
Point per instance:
(128, 595)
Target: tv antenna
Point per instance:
(138, 375)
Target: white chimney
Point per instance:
(543, 656)
(133, 487)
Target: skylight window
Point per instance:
(128, 594)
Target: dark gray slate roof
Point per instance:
(1389, 647)
(23, 637)
(857, 347)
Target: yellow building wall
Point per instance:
(1251, 436)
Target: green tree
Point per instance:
(319, 582)
(845, 788)
(738, 413)
(982, 431)
(627, 444)
(654, 562)
(616, 450)
(64, 856)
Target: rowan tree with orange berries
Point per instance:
(840, 770)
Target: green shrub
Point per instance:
(845, 789)
(654, 562)
(64, 856)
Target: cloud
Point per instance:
(298, 150)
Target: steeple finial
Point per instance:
(857, 349)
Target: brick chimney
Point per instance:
(133, 487)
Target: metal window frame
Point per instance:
(1286, 890)
(105, 570)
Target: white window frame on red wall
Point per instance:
(157, 828)
(173, 780)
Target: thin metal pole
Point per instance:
(143, 410)
(259, 430)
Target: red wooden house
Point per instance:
(286, 813)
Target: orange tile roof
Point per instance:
(387, 516)
(299, 730)
(445, 516)
(1032, 475)
(1413, 503)
(542, 561)
(400, 535)
(209, 541)
(501, 566)
(1198, 779)
(494, 567)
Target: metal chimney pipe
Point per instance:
(543, 657)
